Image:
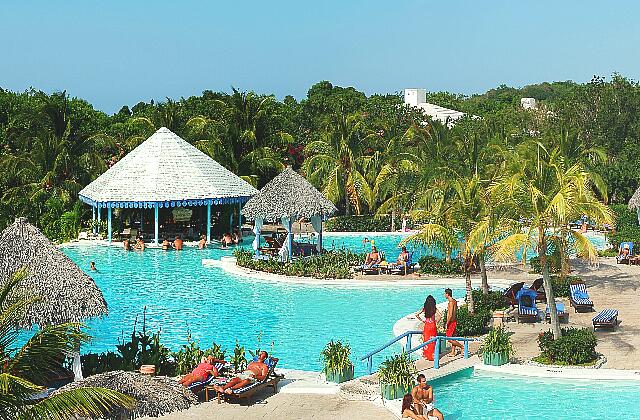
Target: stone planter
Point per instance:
(341, 376)
(393, 392)
(495, 359)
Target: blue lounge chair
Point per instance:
(624, 259)
(400, 268)
(527, 309)
(247, 392)
(607, 318)
(200, 385)
(560, 310)
(579, 297)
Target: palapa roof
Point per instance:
(66, 293)
(634, 203)
(155, 396)
(166, 169)
(288, 195)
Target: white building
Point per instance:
(418, 98)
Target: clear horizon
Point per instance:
(119, 53)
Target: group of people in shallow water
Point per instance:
(177, 244)
(137, 246)
(229, 238)
(255, 371)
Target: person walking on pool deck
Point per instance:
(423, 399)
(430, 329)
(452, 321)
(255, 371)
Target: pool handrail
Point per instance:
(408, 349)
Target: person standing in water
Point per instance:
(93, 266)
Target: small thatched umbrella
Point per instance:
(66, 294)
(288, 197)
(634, 203)
(155, 396)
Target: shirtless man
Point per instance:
(373, 257)
(452, 321)
(203, 242)
(423, 399)
(166, 245)
(126, 244)
(255, 371)
(177, 244)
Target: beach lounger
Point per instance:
(510, 293)
(537, 286)
(625, 259)
(400, 268)
(527, 309)
(200, 385)
(607, 318)
(563, 314)
(271, 380)
(579, 297)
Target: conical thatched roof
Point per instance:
(66, 293)
(166, 169)
(290, 195)
(154, 396)
(634, 203)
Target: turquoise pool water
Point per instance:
(388, 242)
(183, 296)
(473, 394)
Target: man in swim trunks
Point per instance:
(452, 321)
(177, 243)
(201, 372)
(255, 371)
(423, 399)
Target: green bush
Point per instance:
(553, 260)
(627, 229)
(490, 302)
(471, 324)
(497, 340)
(611, 252)
(363, 223)
(330, 265)
(435, 265)
(561, 285)
(577, 346)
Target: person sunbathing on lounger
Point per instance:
(373, 257)
(255, 371)
(202, 372)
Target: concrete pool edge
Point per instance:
(562, 373)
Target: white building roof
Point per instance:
(442, 114)
(166, 169)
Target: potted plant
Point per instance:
(337, 365)
(496, 347)
(396, 376)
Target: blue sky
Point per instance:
(121, 52)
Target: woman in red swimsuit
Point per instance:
(201, 372)
(430, 329)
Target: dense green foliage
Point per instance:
(366, 153)
(476, 323)
(577, 346)
(360, 223)
(398, 370)
(434, 265)
(627, 229)
(329, 265)
(497, 340)
(335, 357)
(553, 260)
(561, 284)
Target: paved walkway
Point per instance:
(287, 406)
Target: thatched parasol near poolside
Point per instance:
(288, 195)
(66, 294)
(155, 396)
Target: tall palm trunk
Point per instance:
(483, 274)
(468, 262)
(393, 220)
(551, 299)
(347, 204)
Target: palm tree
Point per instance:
(547, 193)
(335, 161)
(455, 221)
(22, 368)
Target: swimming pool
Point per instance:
(473, 394)
(183, 296)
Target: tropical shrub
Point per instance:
(471, 324)
(561, 284)
(335, 357)
(435, 265)
(332, 264)
(362, 223)
(492, 301)
(576, 346)
(610, 252)
(398, 370)
(238, 360)
(497, 340)
(627, 229)
(553, 260)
